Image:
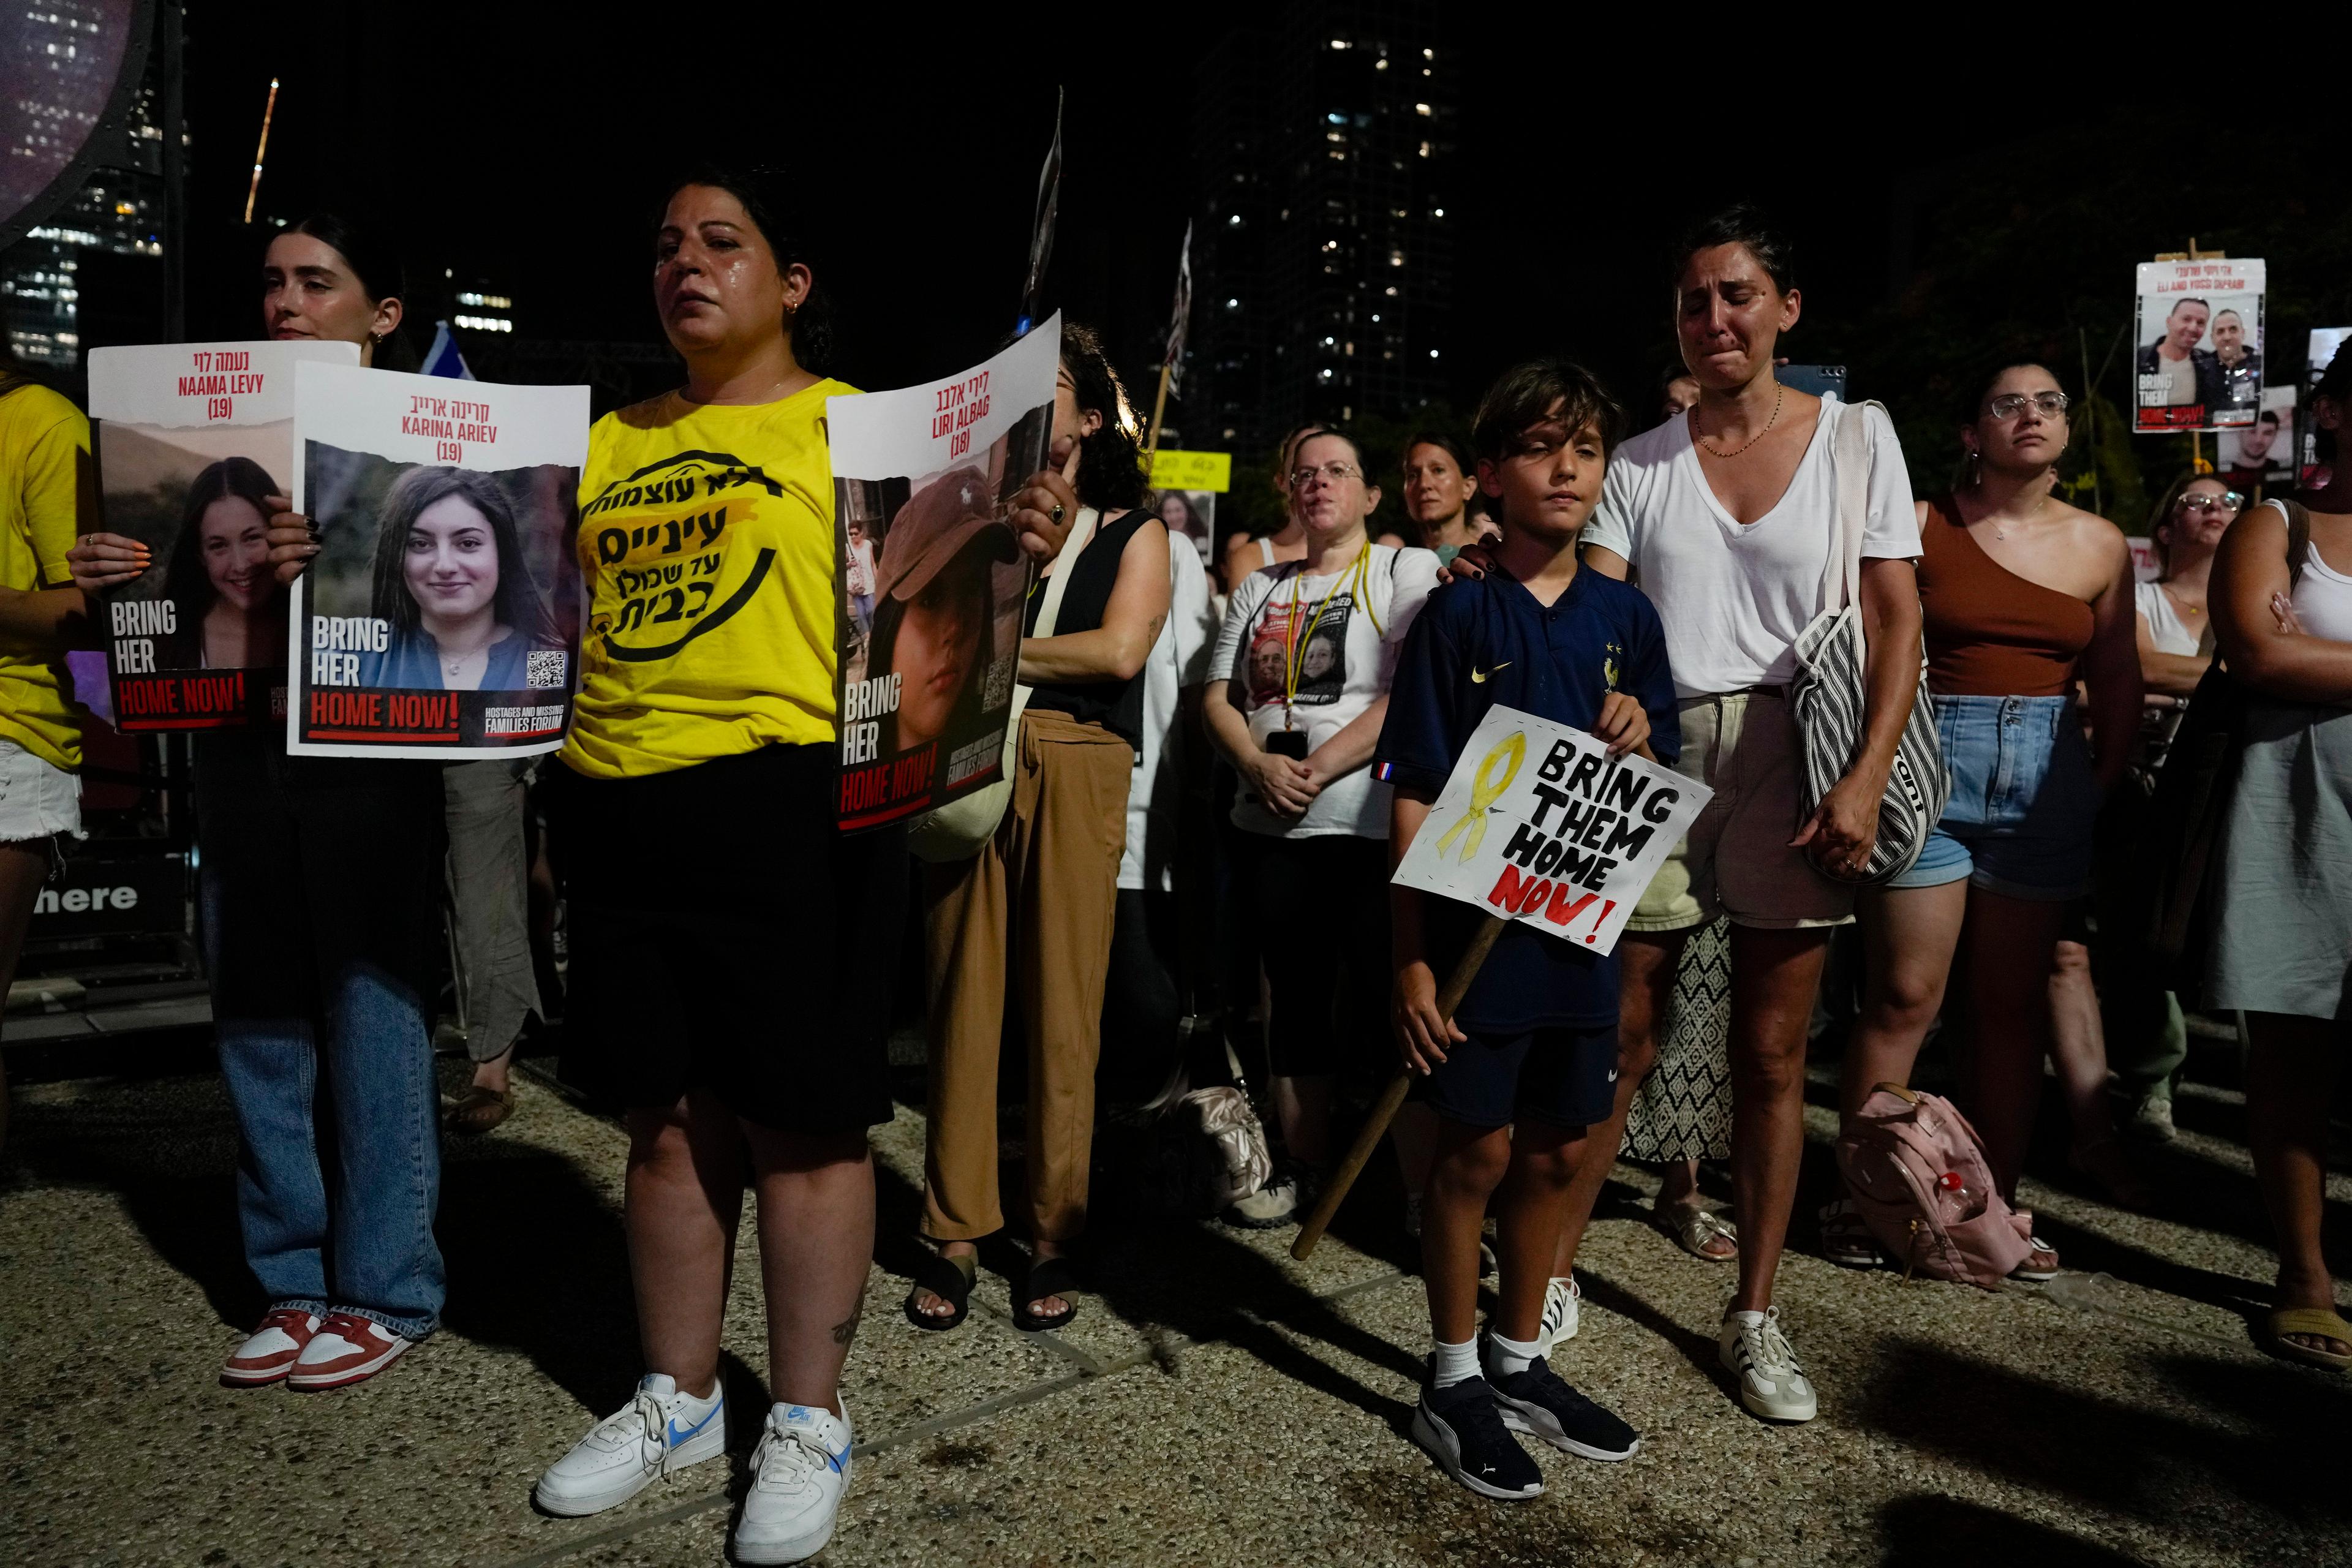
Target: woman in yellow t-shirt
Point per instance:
(732, 955)
(44, 451)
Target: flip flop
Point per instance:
(948, 1278)
(1847, 1240)
(2315, 1323)
(1048, 1276)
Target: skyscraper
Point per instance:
(1325, 146)
(118, 212)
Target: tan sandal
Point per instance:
(478, 1110)
(2311, 1323)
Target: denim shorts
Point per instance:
(39, 800)
(2023, 799)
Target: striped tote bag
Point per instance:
(1826, 697)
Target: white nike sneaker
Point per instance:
(1562, 1298)
(659, 1432)
(799, 1473)
(1772, 1383)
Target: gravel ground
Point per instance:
(1216, 1403)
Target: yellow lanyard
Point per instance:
(1294, 647)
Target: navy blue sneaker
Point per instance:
(1461, 1427)
(1536, 1401)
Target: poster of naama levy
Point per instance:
(1538, 824)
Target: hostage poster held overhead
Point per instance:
(190, 437)
(1539, 825)
(931, 578)
(2197, 360)
(441, 617)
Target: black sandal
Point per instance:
(948, 1278)
(1048, 1276)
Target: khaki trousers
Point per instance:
(1035, 909)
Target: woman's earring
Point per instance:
(1975, 466)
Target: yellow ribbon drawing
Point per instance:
(1485, 791)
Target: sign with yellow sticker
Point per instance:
(1538, 824)
(1193, 472)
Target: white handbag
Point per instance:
(1826, 697)
(956, 831)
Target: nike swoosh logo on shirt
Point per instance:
(677, 1436)
(1479, 676)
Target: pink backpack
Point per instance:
(1920, 1180)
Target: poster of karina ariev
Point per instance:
(932, 581)
(441, 616)
(2197, 361)
(192, 441)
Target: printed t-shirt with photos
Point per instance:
(1486, 641)
(707, 548)
(1337, 635)
(44, 448)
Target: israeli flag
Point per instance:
(443, 358)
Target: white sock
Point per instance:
(1505, 1357)
(1455, 1363)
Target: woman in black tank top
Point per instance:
(1033, 908)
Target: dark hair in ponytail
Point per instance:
(1110, 461)
(375, 266)
(813, 327)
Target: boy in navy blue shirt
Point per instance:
(1534, 1043)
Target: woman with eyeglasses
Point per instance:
(2145, 1034)
(1297, 691)
(2022, 596)
(1246, 554)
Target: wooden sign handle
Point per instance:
(1376, 1125)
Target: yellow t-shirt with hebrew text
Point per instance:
(705, 545)
(44, 453)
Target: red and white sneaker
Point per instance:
(347, 1349)
(268, 1353)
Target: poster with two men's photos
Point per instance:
(2197, 361)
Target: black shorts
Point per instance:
(725, 937)
(1565, 1076)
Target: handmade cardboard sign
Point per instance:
(1539, 825)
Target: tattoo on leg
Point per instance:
(846, 1331)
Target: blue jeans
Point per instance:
(2025, 800)
(321, 914)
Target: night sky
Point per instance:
(527, 151)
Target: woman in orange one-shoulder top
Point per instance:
(2025, 600)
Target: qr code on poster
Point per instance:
(544, 671)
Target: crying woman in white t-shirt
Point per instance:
(1726, 517)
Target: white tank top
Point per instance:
(2323, 597)
(1265, 550)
